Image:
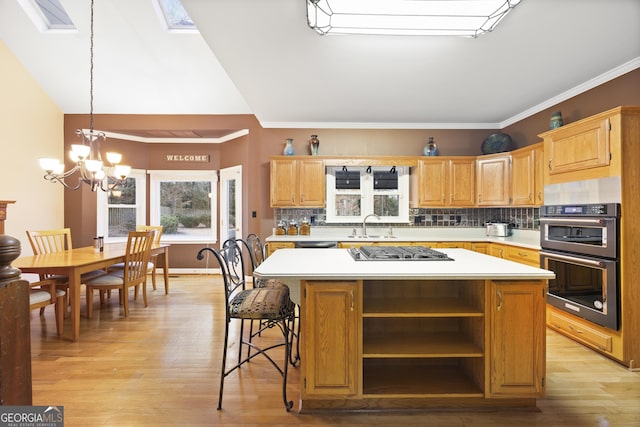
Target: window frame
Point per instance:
(367, 194)
(102, 223)
(158, 176)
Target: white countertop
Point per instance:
(523, 238)
(337, 264)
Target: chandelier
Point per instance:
(89, 167)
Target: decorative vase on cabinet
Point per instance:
(431, 149)
(288, 148)
(314, 144)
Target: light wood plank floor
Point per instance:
(160, 366)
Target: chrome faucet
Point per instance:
(364, 223)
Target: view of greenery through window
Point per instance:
(122, 209)
(185, 207)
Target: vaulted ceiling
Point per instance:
(260, 57)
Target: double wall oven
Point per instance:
(580, 245)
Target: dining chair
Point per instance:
(133, 274)
(242, 303)
(257, 254)
(47, 292)
(153, 260)
(51, 241)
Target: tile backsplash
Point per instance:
(521, 218)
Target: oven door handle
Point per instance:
(573, 220)
(571, 258)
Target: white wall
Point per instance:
(31, 126)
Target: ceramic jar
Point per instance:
(314, 144)
(288, 148)
(556, 120)
(431, 149)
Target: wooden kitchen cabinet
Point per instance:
(538, 162)
(523, 170)
(480, 247)
(297, 182)
(517, 354)
(493, 180)
(579, 147)
(522, 255)
(446, 181)
(274, 246)
(497, 250)
(332, 333)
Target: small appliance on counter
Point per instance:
(498, 229)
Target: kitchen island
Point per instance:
(467, 333)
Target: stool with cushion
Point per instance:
(270, 305)
(256, 255)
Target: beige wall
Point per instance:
(32, 127)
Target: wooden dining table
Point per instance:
(73, 263)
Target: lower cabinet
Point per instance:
(415, 343)
(274, 246)
(331, 329)
(517, 351)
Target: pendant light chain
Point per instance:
(91, 73)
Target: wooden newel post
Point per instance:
(15, 333)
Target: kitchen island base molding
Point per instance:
(416, 404)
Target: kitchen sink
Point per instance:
(371, 237)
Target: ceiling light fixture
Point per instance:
(86, 156)
(470, 18)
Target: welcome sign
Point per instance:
(188, 158)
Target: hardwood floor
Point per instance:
(160, 366)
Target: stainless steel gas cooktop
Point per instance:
(397, 253)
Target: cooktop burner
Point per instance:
(397, 253)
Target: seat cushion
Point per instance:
(270, 283)
(106, 280)
(37, 296)
(261, 303)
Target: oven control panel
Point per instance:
(600, 209)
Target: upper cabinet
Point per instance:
(493, 180)
(446, 181)
(527, 176)
(297, 183)
(589, 148)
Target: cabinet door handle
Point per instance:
(352, 300)
(549, 164)
(500, 299)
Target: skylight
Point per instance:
(469, 18)
(176, 17)
(48, 15)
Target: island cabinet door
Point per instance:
(517, 348)
(330, 338)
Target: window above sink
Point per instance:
(355, 192)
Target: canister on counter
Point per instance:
(305, 227)
(281, 230)
(292, 230)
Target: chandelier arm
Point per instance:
(60, 179)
